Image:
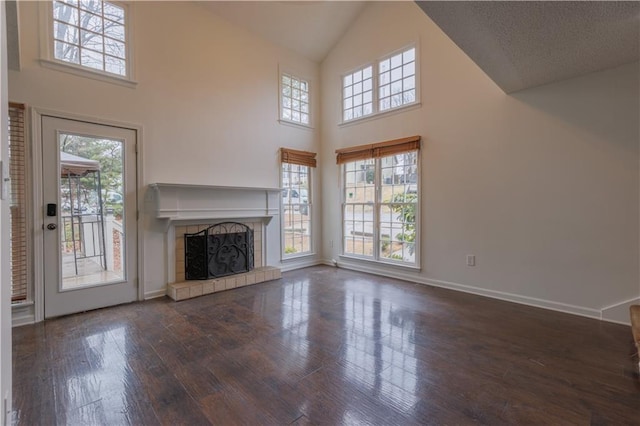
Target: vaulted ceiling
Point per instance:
(530, 43)
(518, 44)
(310, 28)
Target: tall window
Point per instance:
(394, 80)
(294, 100)
(18, 204)
(91, 34)
(381, 200)
(295, 181)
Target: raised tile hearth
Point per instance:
(189, 289)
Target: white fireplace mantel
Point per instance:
(185, 202)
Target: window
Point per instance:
(294, 100)
(381, 201)
(18, 250)
(296, 204)
(397, 83)
(357, 94)
(91, 34)
(394, 81)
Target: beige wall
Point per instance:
(542, 186)
(207, 99)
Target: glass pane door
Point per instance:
(91, 211)
(89, 215)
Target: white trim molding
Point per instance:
(509, 297)
(48, 60)
(155, 293)
(37, 196)
(619, 312)
(300, 263)
(180, 202)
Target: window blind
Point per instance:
(18, 203)
(377, 150)
(301, 158)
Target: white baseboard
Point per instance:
(299, 264)
(509, 297)
(22, 315)
(619, 312)
(155, 294)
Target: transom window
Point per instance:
(397, 85)
(381, 201)
(91, 34)
(294, 99)
(357, 93)
(295, 181)
(394, 79)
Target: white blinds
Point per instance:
(18, 205)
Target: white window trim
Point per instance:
(376, 259)
(310, 82)
(374, 83)
(47, 59)
(287, 257)
(376, 92)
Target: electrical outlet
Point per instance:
(471, 260)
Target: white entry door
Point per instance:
(89, 209)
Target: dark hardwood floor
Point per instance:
(325, 346)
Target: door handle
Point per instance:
(51, 226)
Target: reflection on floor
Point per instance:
(324, 346)
(85, 272)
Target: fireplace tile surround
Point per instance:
(193, 208)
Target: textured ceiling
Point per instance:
(527, 44)
(310, 28)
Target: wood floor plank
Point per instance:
(325, 346)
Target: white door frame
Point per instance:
(38, 216)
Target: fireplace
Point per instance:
(204, 212)
(218, 251)
(183, 288)
(178, 238)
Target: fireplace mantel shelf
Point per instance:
(185, 202)
(189, 186)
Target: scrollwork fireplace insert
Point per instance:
(220, 250)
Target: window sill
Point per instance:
(380, 262)
(382, 114)
(87, 73)
(295, 124)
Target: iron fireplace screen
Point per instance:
(220, 250)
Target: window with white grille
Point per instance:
(357, 93)
(297, 201)
(381, 201)
(294, 99)
(91, 34)
(397, 81)
(388, 84)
